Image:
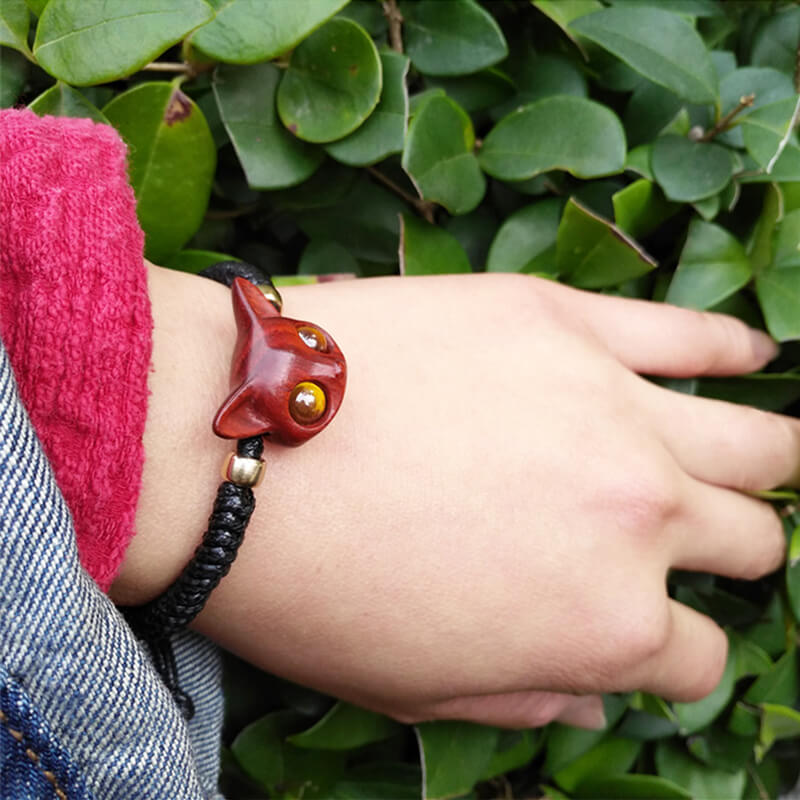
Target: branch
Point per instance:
(783, 142)
(168, 66)
(744, 102)
(392, 13)
(423, 207)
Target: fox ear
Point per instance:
(248, 298)
(239, 416)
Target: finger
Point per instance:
(726, 533)
(726, 444)
(660, 339)
(524, 709)
(691, 661)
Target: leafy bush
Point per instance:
(643, 148)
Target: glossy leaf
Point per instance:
(777, 722)
(660, 45)
(612, 756)
(14, 21)
(195, 260)
(562, 12)
(384, 131)
(438, 156)
(61, 100)
(333, 82)
(640, 208)
(763, 132)
(713, 265)
(426, 249)
(793, 573)
(345, 727)
(477, 91)
(242, 33)
(36, 6)
(453, 38)
(698, 779)
(778, 286)
(688, 171)
(322, 257)
(632, 787)
(454, 755)
(526, 241)
(84, 43)
(569, 133)
(270, 156)
(694, 716)
(779, 685)
(379, 781)
(775, 40)
(507, 757)
(13, 74)
(171, 158)
(591, 252)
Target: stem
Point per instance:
(424, 207)
(168, 66)
(392, 13)
(723, 124)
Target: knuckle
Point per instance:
(646, 501)
(727, 339)
(705, 680)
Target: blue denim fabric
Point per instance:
(80, 703)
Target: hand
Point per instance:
(485, 530)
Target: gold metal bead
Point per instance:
(272, 294)
(243, 471)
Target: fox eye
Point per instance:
(307, 403)
(313, 338)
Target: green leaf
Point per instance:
(520, 751)
(779, 685)
(14, 20)
(84, 43)
(195, 260)
(660, 45)
(384, 131)
(526, 241)
(694, 716)
(454, 755)
(478, 91)
(777, 722)
(768, 85)
(638, 161)
(640, 208)
(172, 158)
(760, 242)
(713, 265)
(475, 232)
(720, 749)
(778, 286)
(61, 100)
(698, 779)
(612, 756)
(242, 33)
(793, 573)
(688, 171)
(562, 12)
(270, 156)
(438, 156)
(592, 252)
(36, 6)
(764, 130)
(263, 753)
(569, 133)
(379, 781)
(752, 659)
(333, 82)
(346, 727)
(650, 111)
(323, 257)
(453, 38)
(429, 250)
(368, 14)
(775, 41)
(632, 787)
(13, 74)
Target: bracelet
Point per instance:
(288, 379)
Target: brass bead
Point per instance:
(243, 471)
(307, 403)
(272, 294)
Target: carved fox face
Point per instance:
(288, 377)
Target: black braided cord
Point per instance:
(157, 621)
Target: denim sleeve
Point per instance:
(82, 713)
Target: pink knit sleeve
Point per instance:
(75, 317)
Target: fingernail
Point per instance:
(586, 712)
(764, 347)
